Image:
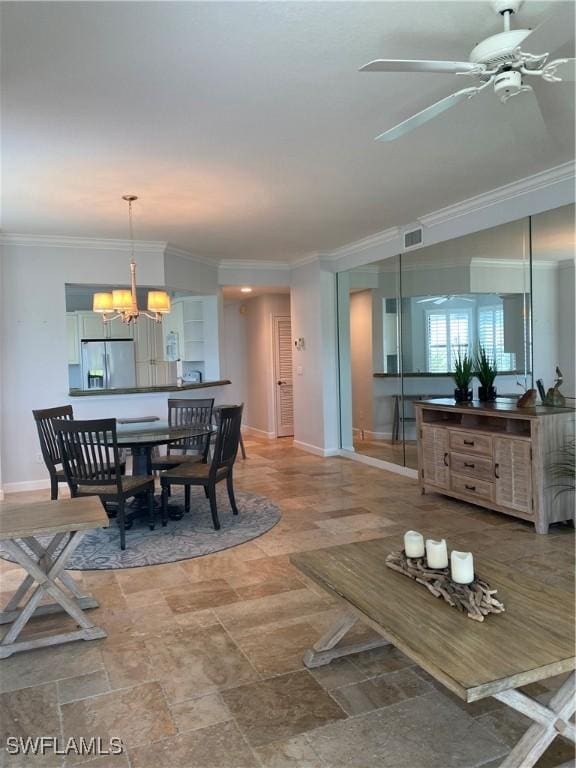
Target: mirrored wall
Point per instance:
(403, 321)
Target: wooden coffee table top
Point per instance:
(533, 640)
(18, 521)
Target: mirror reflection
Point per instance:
(409, 319)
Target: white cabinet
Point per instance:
(73, 338)
(116, 329)
(193, 321)
(91, 326)
(151, 368)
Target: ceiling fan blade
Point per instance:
(426, 114)
(413, 65)
(525, 117)
(555, 31)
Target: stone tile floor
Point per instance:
(202, 664)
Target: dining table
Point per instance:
(142, 438)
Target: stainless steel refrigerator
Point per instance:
(108, 364)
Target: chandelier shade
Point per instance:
(102, 302)
(122, 300)
(159, 301)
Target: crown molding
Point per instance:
(245, 264)
(94, 243)
(527, 185)
(366, 243)
(173, 250)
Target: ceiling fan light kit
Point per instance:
(497, 61)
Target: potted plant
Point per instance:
(463, 373)
(486, 371)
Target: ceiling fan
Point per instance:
(497, 61)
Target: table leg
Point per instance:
(549, 722)
(326, 649)
(44, 572)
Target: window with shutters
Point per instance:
(491, 337)
(448, 334)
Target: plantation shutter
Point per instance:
(437, 334)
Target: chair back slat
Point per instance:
(46, 434)
(190, 413)
(90, 454)
(227, 437)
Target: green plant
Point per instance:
(486, 369)
(563, 468)
(463, 370)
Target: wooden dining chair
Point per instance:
(190, 450)
(209, 475)
(91, 460)
(49, 443)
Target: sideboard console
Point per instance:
(497, 456)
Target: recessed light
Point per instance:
(246, 290)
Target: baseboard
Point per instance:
(247, 430)
(27, 485)
(317, 451)
(387, 465)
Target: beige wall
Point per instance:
(259, 372)
(361, 359)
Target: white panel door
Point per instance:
(283, 376)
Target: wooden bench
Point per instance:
(65, 521)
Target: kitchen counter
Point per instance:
(146, 390)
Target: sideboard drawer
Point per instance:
(472, 487)
(470, 442)
(473, 466)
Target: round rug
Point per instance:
(192, 536)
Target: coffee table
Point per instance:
(533, 640)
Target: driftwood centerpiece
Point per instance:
(476, 599)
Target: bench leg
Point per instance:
(549, 722)
(45, 572)
(325, 650)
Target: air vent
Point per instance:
(413, 238)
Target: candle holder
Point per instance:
(475, 599)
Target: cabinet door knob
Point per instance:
(497, 470)
(469, 464)
(468, 442)
(446, 459)
(470, 487)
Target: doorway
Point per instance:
(283, 385)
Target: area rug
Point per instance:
(192, 536)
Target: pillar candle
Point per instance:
(413, 544)
(437, 553)
(462, 567)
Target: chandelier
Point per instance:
(122, 303)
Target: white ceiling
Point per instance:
(245, 127)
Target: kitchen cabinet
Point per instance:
(497, 456)
(73, 338)
(91, 326)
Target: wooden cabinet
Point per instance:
(513, 473)
(497, 456)
(435, 456)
